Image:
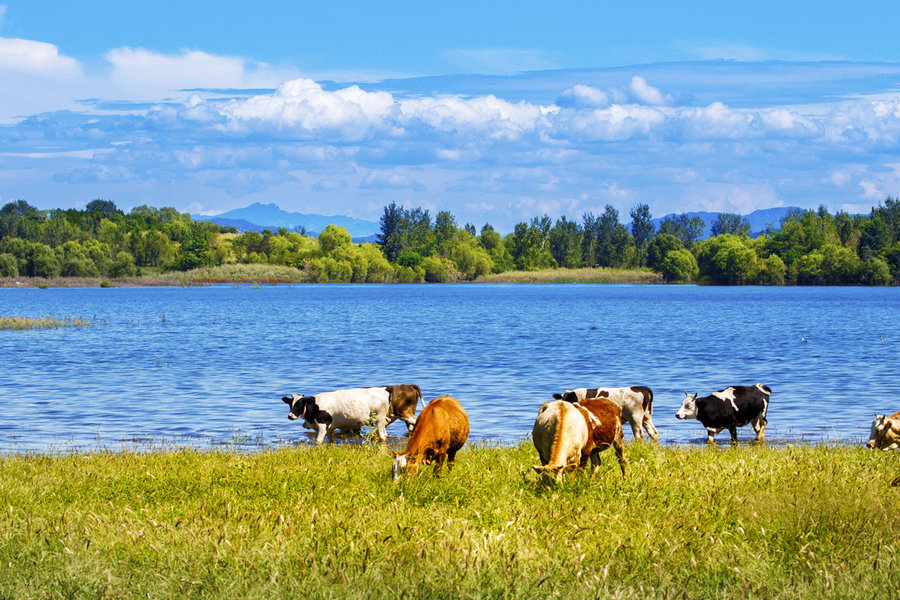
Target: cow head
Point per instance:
(880, 427)
(301, 406)
(688, 408)
(568, 396)
(399, 466)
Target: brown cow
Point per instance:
(604, 430)
(560, 433)
(403, 402)
(885, 432)
(441, 430)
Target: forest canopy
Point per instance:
(811, 247)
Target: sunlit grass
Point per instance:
(237, 273)
(592, 275)
(23, 323)
(327, 522)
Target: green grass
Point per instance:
(593, 275)
(327, 522)
(23, 323)
(237, 273)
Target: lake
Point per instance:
(206, 367)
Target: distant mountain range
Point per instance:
(258, 217)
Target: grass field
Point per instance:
(301, 522)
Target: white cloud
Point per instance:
(145, 74)
(384, 180)
(38, 58)
(645, 93)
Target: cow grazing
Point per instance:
(729, 409)
(441, 430)
(342, 409)
(636, 403)
(604, 430)
(560, 434)
(403, 402)
(885, 433)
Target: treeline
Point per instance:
(811, 247)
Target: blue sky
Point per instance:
(497, 112)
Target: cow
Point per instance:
(440, 431)
(560, 434)
(342, 409)
(604, 430)
(729, 409)
(885, 432)
(403, 402)
(636, 403)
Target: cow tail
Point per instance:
(648, 401)
(764, 389)
(419, 392)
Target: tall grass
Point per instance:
(591, 275)
(237, 273)
(23, 323)
(327, 522)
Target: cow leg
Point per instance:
(619, 447)
(733, 431)
(759, 426)
(634, 419)
(650, 427)
(322, 430)
(439, 464)
(711, 435)
(595, 461)
(451, 457)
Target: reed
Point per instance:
(23, 323)
(327, 522)
(237, 273)
(587, 275)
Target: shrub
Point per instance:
(9, 266)
(679, 265)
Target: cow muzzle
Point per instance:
(293, 417)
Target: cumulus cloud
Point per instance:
(39, 58)
(584, 145)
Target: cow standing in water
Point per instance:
(729, 409)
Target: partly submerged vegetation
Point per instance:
(102, 243)
(22, 323)
(752, 521)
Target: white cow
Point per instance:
(341, 409)
(635, 401)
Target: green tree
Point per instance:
(444, 232)
(334, 237)
(642, 230)
(659, 247)
(9, 266)
(687, 229)
(726, 260)
(730, 223)
(565, 243)
(679, 265)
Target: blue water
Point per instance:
(207, 366)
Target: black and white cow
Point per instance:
(342, 409)
(636, 403)
(729, 409)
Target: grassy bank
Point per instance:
(258, 273)
(595, 275)
(787, 522)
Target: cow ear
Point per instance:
(557, 396)
(287, 399)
